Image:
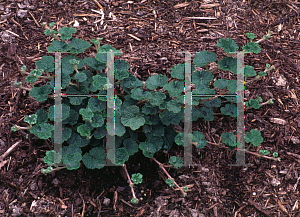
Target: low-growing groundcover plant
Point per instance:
(151, 106)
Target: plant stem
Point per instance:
(165, 171)
(131, 184)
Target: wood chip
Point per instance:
(278, 121)
(209, 5)
(182, 5)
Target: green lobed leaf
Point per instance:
(199, 138)
(174, 106)
(132, 117)
(31, 79)
(156, 98)
(216, 102)
(84, 130)
(178, 71)
(228, 45)
(151, 146)
(168, 117)
(137, 178)
(43, 130)
(207, 113)
(93, 63)
(67, 67)
(175, 161)
(254, 103)
(66, 134)
(156, 81)
(78, 46)
(252, 47)
(52, 158)
(80, 77)
(65, 109)
(42, 116)
(31, 119)
(202, 79)
(58, 46)
(229, 139)
(254, 137)
(174, 88)
(251, 35)
(72, 155)
(203, 57)
(220, 83)
(138, 94)
(40, 93)
(95, 158)
(228, 64)
(97, 121)
(76, 139)
(129, 82)
(66, 32)
(99, 82)
(37, 72)
(121, 67)
(119, 157)
(65, 81)
(101, 54)
(131, 146)
(87, 114)
(249, 71)
(46, 63)
(229, 109)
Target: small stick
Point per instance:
(100, 6)
(34, 19)
(9, 150)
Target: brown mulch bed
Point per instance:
(150, 33)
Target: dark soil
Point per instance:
(159, 29)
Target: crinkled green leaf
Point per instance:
(138, 94)
(42, 116)
(84, 130)
(228, 64)
(95, 158)
(254, 103)
(156, 98)
(50, 32)
(40, 93)
(168, 117)
(179, 139)
(174, 88)
(66, 32)
(151, 146)
(154, 130)
(220, 83)
(78, 45)
(96, 105)
(58, 46)
(99, 81)
(249, 71)
(251, 35)
(76, 139)
(175, 161)
(94, 64)
(229, 139)
(202, 79)
(150, 110)
(216, 102)
(65, 109)
(43, 130)
(119, 157)
(31, 119)
(207, 113)
(65, 81)
(169, 137)
(87, 114)
(80, 77)
(31, 79)
(178, 71)
(228, 45)
(229, 109)
(232, 85)
(204, 91)
(37, 72)
(50, 160)
(129, 82)
(97, 121)
(67, 67)
(199, 138)
(137, 178)
(71, 156)
(174, 106)
(131, 146)
(156, 81)
(132, 118)
(203, 57)
(254, 137)
(121, 69)
(100, 132)
(252, 47)
(46, 63)
(101, 54)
